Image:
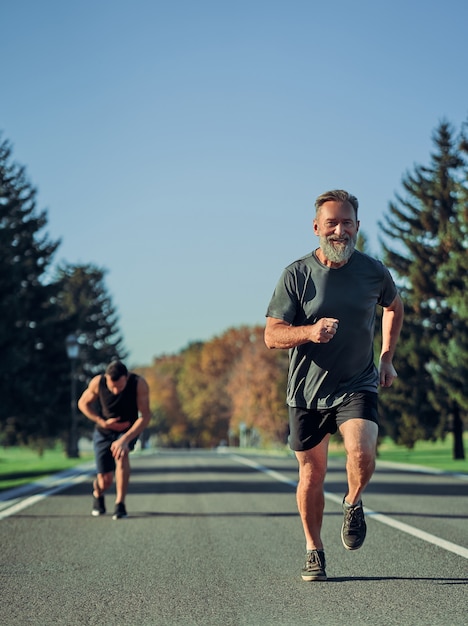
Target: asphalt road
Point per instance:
(215, 539)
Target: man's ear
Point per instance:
(316, 227)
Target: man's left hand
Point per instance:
(119, 450)
(387, 373)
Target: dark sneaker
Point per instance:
(99, 508)
(314, 568)
(353, 531)
(120, 511)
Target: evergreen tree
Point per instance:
(362, 243)
(449, 367)
(37, 314)
(87, 307)
(421, 224)
(86, 310)
(28, 315)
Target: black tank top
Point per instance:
(122, 405)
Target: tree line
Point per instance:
(215, 391)
(232, 389)
(40, 306)
(221, 389)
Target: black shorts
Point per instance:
(102, 442)
(308, 427)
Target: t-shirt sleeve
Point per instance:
(389, 290)
(283, 303)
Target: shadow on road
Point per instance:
(441, 581)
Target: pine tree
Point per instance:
(87, 307)
(449, 366)
(28, 313)
(421, 224)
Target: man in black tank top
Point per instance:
(118, 403)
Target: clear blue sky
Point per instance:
(181, 143)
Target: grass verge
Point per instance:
(19, 466)
(435, 455)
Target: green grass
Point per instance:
(434, 455)
(19, 466)
(437, 455)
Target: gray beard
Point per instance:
(337, 253)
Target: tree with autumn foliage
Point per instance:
(203, 384)
(169, 424)
(257, 390)
(209, 389)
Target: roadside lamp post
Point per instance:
(73, 348)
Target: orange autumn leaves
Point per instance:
(210, 390)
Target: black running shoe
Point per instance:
(314, 568)
(353, 531)
(99, 507)
(120, 511)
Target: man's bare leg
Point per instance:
(360, 441)
(310, 498)
(122, 477)
(102, 483)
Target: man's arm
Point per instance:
(87, 403)
(392, 321)
(280, 334)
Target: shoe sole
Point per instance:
(318, 577)
(97, 513)
(117, 517)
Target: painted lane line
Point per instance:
(62, 484)
(379, 517)
(420, 534)
(261, 468)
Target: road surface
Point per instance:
(215, 539)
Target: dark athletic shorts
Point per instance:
(102, 442)
(308, 427)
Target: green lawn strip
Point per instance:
(437, 455)
(434, 455)
(19, 466)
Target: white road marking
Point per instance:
(63, 483)
(379, 517)
(59, 485)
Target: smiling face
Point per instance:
(337, 227)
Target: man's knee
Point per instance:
(312, 470)
(360, 436)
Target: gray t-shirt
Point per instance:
(322, 375)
